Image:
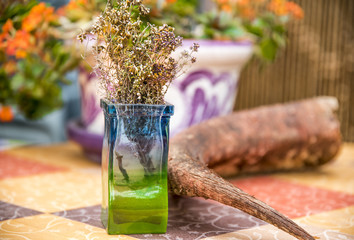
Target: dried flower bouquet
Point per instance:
(133, 58)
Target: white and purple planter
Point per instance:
(208, 89)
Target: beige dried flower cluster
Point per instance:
(133, 58)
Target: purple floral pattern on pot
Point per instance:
(201, 95)
(90, 106)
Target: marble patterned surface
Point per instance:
(54, 192)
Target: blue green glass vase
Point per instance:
(134, 168)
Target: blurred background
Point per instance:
(319, 60)
(310, 56)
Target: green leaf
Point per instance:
(37, 70)
(6, 92)
(234, 33)
(260, 23)
(255, 30)
(37, 92)
(15, 11)
(268, 49)
(279, 39)
(280, 29)
(17, 81)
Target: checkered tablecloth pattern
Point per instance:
(54, 193)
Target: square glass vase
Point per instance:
(134, 168)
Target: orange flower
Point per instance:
(6, 114)
(243, 2)
(247, 8)
(38, 14)
(222, 1)
(282, 7)
(18, 45)
(30, 22)
(10, 67)
(75, 4)
(295, 10)
(7, 26)
(20, 53)
(5, 33)
(248, 12)
(49, 15)
(278, 7)
(71, 5)
(61, 11)
(149, 2)
(226, 7)
(171, 1)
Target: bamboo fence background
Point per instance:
(319, 60)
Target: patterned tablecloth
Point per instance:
(54, 192)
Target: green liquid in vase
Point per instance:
(139, 206)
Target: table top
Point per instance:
(54, 192)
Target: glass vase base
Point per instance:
(139, 225)
(139, 220)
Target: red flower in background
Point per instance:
(6, 114)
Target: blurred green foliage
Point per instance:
(33, 65)
(261, 22)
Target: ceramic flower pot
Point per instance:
(208, 89)
(134, 168)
